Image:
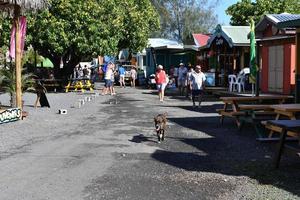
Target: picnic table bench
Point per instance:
(236, 107)
(50, 84)
(79, 84)
(288, 111)
(285, 125)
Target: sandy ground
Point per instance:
(107, 150)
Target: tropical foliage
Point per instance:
(242, 11)
(8, 81)
(180, 18)
(77, 30)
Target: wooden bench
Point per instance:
(277, 129)
(288, 111)
(285, 125)
(233, 108)
(81, 85)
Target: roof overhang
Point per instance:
(275, 38)
(175, 47)
(289, 24)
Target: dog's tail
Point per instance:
(165, 114)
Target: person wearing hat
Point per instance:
(197, 81)
(161, 82)
(182, 82)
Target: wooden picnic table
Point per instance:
(79, 84)
(284, 110)
(285, 125)
(238, 106)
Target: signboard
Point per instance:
(10, 115)
(210, 79)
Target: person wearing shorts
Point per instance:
(182, 82)
(122, 76)
(197, 80)
(160, 78)
(107, 79)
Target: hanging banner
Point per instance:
(23, 25)
(253, 65)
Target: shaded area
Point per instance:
(226, 152)
(203, 109)
(141, 138)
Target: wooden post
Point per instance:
(18, 57)
(297, 68)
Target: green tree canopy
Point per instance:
(76, 30)
(180, 18)
(242, 11)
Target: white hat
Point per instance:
(181, 64)
(160, 67)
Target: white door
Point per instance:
(275, 77)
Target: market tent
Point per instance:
(47, 63)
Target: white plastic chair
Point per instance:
(232, 82)
(240, 83)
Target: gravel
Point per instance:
(200, 159)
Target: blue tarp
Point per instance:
(108, 59)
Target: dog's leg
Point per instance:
(158, 136)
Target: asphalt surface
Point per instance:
(107, 149)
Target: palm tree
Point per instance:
(8, 79)
(17, 6)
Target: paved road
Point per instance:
(108, 150)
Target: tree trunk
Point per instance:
(13, 102)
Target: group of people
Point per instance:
(192, 79)
(110, 72)
(82, 72)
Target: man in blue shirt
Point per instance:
(122, 76)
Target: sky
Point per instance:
(220, 11)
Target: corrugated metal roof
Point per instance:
(160, 42)
(238, 34)
(283, 17)
(234, 35)
(289, 24)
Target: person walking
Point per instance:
(122, 76)
(182, 71)
(188, 78)
(107, 79)
(133, 76)
(161, 82)
(197, 85)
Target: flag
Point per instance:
(253, 64)
(22, 24)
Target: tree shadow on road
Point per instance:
(222, 150)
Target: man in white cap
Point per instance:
(197, 81)
(182, 82)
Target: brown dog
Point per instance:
(160, 122)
